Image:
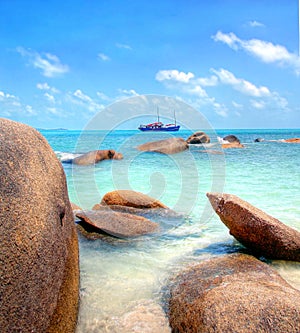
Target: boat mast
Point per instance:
(174, 117)
(157, 115)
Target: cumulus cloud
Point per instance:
(265, 51)
(174, 75)
(45, 86)
(103, 57)
(242, 85)
(85, 101)
(11, 104)
(49, 64)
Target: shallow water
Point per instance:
(122, 280)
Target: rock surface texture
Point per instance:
(131, 199)
(234, 293)
(167, 146)
(293, 140)
(121, 225)
(198, 138)
(39, 279)
(255, 229)
(97, 156)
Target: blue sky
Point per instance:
(236, 62)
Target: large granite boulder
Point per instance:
(167, 146)
(198, 138)
(96, 156)
(255, 229)
(39, 282)
(234, 293)
(121, 225)
(131, 199)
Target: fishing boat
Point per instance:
(159, 126)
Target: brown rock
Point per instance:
(39, 281)
(232, 145)
(168, 146)
(197, 138)
(235, 293)
(231, 139)
(117, 224)
(131, 199)
(255, 229)
(96, 156)
(293, 140)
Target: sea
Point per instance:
(124, 282)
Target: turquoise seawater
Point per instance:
(122, 281)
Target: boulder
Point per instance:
(255, 229)
(233, 293)
(259, 140)
(167, 146)
(75, 207)
(131, 198)
(293, 140)
(231, 138)
(197, 138)
(96, 156)
(39, 285)
(232, 145)
(120, 225)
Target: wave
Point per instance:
(66, 157)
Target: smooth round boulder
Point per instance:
(96, 156)
(233, 293)
(39, 284)
(131, 198)
(262, 233)
(198, 138)
(167, 146)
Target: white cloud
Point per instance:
(241, 85)
(237, 105)
(174, 75)
(257, 104)
(102, 96)
(103, 57)
(255, 24)
(49, 64)
(265, 51)
(50, 98)
(45, 86)
(123, 46)
(79, 98)
(10, 104)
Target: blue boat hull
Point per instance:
(160, 129)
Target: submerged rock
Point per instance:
(232, 145)
(131, 198)
(255, 229)
(293, 140)
(167, 146)
(39, 284)
(234, 293)
(259, 140)
(198, 138)
(96, 156)
(121, 225)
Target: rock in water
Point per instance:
(234, 293)
(197, 138)
(39, 282)
(167, 146)
(231, 139)
(255, 229)
(131, 199)
(96, 156)
(121, 225)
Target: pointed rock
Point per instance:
(255, 229)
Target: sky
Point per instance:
(236, 62)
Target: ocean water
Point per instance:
(123, 281)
